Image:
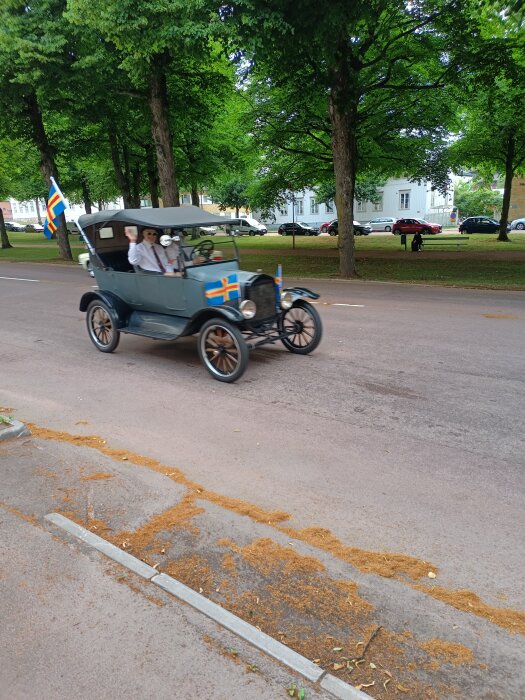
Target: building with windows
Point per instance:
(398, 198)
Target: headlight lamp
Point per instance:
(286, 300)
(248, 308)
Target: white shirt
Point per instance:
(141, 254)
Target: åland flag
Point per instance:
(55, 206)
(223, 290)
(278, 282)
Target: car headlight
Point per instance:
(248, 308)
(286, 300)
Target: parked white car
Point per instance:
(383, 223)
(249, 227)
(518, 224)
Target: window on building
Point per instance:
(433, 198)
(361, 205)
(283, 210)
(329, 207)
(186, 199)
(299, 207)
(314, 206)
(378, 206)
(205, 199)
(404, 200)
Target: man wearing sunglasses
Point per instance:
(148, 256)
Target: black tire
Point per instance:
(252, 233)
(397, 232)
(223, 350)
(101, 326)
(520, 226)
(306, 322)
(387, 228)
(427, 232)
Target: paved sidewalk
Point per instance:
(76, 625)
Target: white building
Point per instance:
(398, 198)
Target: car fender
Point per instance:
(229, 313)
(301, 293)
(119, 308)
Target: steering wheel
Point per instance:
(204, 248)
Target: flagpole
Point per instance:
(57, 187)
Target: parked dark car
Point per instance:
(416, 226)
(230, 310)
(359, 229)
(14, 226)
(297, 228)
(480, 224)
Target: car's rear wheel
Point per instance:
(397, 232)
(223, 350)
(101, 327)
(427, 232)
(303, 323)
(520, 226)
(387, 228)
(252, 233)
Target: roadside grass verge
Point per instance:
(500, 274)
(318, 257)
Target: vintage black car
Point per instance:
(231, 310)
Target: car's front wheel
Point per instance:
(387, 228)
(223, 350)
(520, 226)
(304, 328)
(397, 232)
(101, 326)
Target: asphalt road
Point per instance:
(401, 433)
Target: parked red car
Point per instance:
(416, 226)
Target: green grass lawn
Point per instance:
(472, 265)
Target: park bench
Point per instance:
(444, 240)
(437, 240)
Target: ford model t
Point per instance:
(232, 311)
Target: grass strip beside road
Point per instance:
(484, 262)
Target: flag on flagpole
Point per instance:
(56, 205)
(278, 282)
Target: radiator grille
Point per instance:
(263, 294)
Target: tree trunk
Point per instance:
(343, 116)
(86, 196)
(195, 199)
(3, 233)
(47, 166)
(37, 209)
(136, 185)
(509, 174)
(152, 177)
(120, 175)
(160, 129)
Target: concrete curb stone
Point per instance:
(226, 619)
(13, 430)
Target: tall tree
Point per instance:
(357, 55)
(35, 60)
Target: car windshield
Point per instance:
(301, 223)
(422, 221)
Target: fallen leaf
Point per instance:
(317, 661)
(431, 574)
(337, 649)
(401, 688)
(338, 667)
(386, 682)
(373, 665)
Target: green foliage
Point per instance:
(476, 201)
(230, 194)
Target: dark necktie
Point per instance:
(161, 266)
